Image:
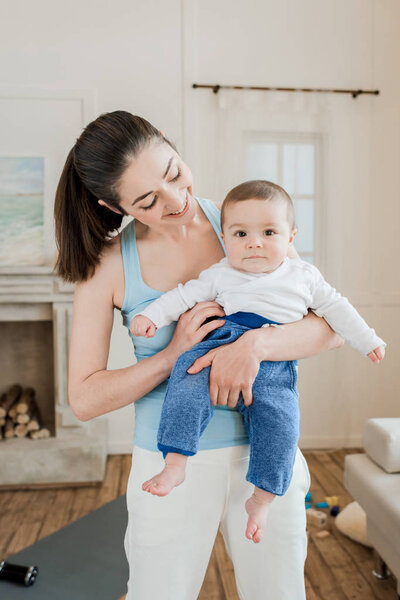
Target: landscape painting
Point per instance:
(21, 211)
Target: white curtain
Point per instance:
(343, 124)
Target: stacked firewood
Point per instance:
(19, 414)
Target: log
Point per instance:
(26, 416)
(35, 421)
(40, 434)
(2, 421)
(21, 431)
(12, 412)
(9, 398)
(9, 429)
(25, 400)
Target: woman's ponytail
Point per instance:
(82, 226)
(92, 171)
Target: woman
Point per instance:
(122, 165)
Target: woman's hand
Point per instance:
(234, 368)
(190, 329)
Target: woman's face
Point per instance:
(156, 188)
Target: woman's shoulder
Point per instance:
(110, 255)
(209, 205)
(108, 276)
(211, 211)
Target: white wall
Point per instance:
(144, 56)
(128, 54)
(330, 44)
(129, 51)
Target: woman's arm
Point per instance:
(302, 339)
(94, 390)
(234, 367)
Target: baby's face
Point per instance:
(257, 235)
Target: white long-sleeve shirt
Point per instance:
(284, 296)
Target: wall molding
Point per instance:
(87, 97)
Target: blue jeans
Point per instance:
(272, 420)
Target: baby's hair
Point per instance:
(259, 189)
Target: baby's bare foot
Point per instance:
(161, 485)
(257, 508)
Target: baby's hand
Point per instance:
(377, 355)
(142, 326)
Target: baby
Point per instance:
(258, 286)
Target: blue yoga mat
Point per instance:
(82, 561)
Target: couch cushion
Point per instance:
(377, 492)
(381, 440)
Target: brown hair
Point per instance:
(259, 189)
(92, 171)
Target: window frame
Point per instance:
(285, 137)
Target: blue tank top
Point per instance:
(226, 428)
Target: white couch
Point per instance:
(373, 479)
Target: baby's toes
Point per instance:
(146, 487)
(257, 537)
(251, 529)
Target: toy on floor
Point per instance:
(317, 517)
(332, 500)
(322, 534)
(352, 521)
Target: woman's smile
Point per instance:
(182, 211)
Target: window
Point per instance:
(290, 161)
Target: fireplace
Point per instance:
(35, 328)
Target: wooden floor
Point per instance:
(336, 567)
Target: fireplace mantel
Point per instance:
(33, 284)
(37, 294)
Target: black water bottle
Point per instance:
(17, 573)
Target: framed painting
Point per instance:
(21, 211)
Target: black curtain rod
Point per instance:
(215, 88)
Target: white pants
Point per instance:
(169, 540)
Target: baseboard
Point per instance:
(120, 447)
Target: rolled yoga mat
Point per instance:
(82, 561)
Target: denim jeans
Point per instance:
(272, 420)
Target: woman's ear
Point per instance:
(102, 203)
